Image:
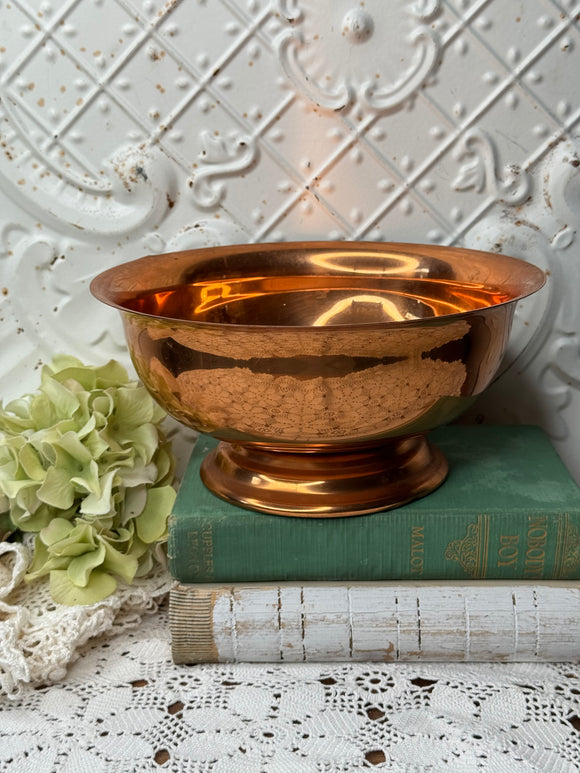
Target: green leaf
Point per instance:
(4, 507)
(152, 523)
(64, 591)
(6, 525)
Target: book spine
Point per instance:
(241, 546)
(473, 622)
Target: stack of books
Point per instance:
(483, 569)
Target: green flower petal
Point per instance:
(111, 374)
(64, 591)
(95, 444)
(80, 568)
(62, 398)
(144, 440)
(59, 363)
(72, 444)
(15, 417)
(56, 531)
(100, 503)
(57, 490)
(133, 408)
(165, 462)
(43, 412)
(134, 504)
(124, 565)
(152, 523)
(31, 463)
(20, 408)
(27, 498)
(43, 562)
(138, 475)
(84, 378)
(88, 481)
(103, 405)
(34, 522)
(12, 488)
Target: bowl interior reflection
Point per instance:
(315, 301)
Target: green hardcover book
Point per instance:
(508, 510)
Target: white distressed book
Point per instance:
(375, 621)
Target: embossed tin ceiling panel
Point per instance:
(130, 128)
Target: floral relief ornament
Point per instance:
(352, 39)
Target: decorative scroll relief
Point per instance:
(49, 291)
(351, 45)
(480, 170)
(47, 280)
(220, 157)
(540, 381)
(47, 182)
(560, 376)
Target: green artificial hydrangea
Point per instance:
(83, 463)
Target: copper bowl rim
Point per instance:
(534, 278)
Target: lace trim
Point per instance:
(39, 639)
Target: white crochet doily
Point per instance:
(123, 706)
(39, 639)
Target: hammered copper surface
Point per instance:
(319, 364)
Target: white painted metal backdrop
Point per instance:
(129, 128)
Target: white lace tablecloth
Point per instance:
(123, 706)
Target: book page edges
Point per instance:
(437, 621)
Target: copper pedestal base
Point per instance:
(321, 484)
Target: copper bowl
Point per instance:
(319, 366)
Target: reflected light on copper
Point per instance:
(389, 309)
(342, 261)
